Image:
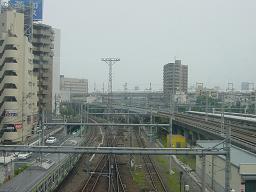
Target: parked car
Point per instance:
(24, 155)
(51, 140)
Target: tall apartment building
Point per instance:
(43, 38)
(73, 89)
(18, 84)
(175, 78)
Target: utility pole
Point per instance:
(203, 158)
(170, 134)
(130, 135)
(254, 102)
(110, 62)
(42, 128)
(206, 106)
(212, 179)
(87, 114)
(81, 118)
(172, 108)
(151, 122)
(228, 165)
(94, 88)
(55, 104)
(222, 121)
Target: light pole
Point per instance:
(181, 174)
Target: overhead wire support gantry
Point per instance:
(110, 62)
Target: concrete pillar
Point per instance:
(186, 134)
(193, 137)
(179, 132)
(203, 159)
(198, 136)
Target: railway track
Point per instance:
(120, 187)
(94, 178)
(90, 137)
(157, 183)
(245, 138)
(107, 167)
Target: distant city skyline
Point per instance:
(216, 39)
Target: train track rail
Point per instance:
(94, 178)
(107, 167)
(245, 138)
(157, 183)
(120, 187)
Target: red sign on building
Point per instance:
(18, 126)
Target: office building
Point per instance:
(73, 89)
(43, 38)
(175, 78)
(18, 84)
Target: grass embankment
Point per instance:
(172, 180)
(139, 178)
(20, 170)
(189, 160)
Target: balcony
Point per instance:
(42, 49)
(42, 31)
(10, 79)
(9, 106)
(45, 66)
(9, 92)
(9, 67)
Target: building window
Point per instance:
(10, 99)
(10, 73)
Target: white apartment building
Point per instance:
(18, 85)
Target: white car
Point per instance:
(24, 155)
(51, 140)
(74, 133)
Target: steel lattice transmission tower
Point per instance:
(110, 62)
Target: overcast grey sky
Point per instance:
(215, 38)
